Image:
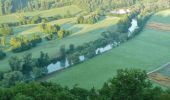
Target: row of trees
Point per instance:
(89, 20)
(23, 20)
(25, 69)
(88, 50)
(53, 31)
(31, 20)
(38, 19)
(22, 43)
(92, 5)
(129, 84)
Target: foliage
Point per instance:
(53, 31)
(89, 20)
(5, 30)
(127, 85)
(2, 55)
(23, 43)
(10, 6)
(25, 69)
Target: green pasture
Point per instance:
(146, 51)
(161, 17)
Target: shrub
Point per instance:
(2, 55)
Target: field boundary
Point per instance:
(159, 26)
(157, 77)
(159, 68)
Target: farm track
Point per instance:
(159, 26)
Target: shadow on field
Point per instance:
(161, 19)
(22, 28)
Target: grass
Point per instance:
(147, 51)
(79, 36)
(162, 17)
(12, 18)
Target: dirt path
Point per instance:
(161, 79)
(158, 77)
(159, 26)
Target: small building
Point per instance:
(120, 11)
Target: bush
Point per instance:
(2, 55)
(23, 43)
(89, 20)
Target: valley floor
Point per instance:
(147, 51)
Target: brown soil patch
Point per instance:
(161, 79)
(159, 26)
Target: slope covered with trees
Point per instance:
(10, 6)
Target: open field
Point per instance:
(146, 51)
(12, 18)
(81, 33)
(161, 17)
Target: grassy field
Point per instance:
(81, 33)
(12, 18)
(129, 55)
(162, 17)
(147, 51)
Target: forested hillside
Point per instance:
(10, 6)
